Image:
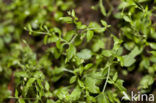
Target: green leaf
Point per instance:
(84, 54)
(52, 39)
(81, 84)
(91, 85)
(68, 36)
(82, 27)
(119, 85)
(59, 45)
(90, 35)
(73, 79)
(107, 53)
(38, 74)
(62, 93)
(57, 30)
(88, 66)
(16, 93)
(113, 97)
(104, 23)
(126, 18)
(98, 45)
(21, 100)
(50, 101)
(79, 25)
(102, 98)
(29, 28)
(136, 51)
(117, 43)
(47, 86)
(103, 11)
(28, 85)
(129, 45)
(21, 74)
(57, 15)
(96, 27)
(146, 82)
(66, 19)
(45, 40)
(71, 51)
(145, 63)
(153, 45)
(76, 93)
(115, 76)
(130, 58)
(73, 13)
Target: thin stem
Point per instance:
(70, 71)
(73, 39)
(39, 32)
(108, 73)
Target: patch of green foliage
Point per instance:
(43, 60)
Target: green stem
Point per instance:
(73, 39)
(108, 73)
(70, 71)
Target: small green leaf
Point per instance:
(107, 53)
(29, 27)
(21, 100)
(82, 27)
(153, 45)
(28, 85)
(88, 66)
(96, 27)
(115, 76)
(104, 23)
(99, 44)
(102, 98)
(91, 85)
(71, 51)
(45, 39)
(16, 93)
(117, 43)
(76, 93)
(38, 74)
(73, 79)
(59, 45)
(81, 84)
(21, 74)
(62, 93)
(73, 13)
(128, 60)
(47, 86)
(84, 54)
(119, 85)
(146, 81)
(68, 36)
(66, 19)
(90, 35)
(126, 18)
(103, 10)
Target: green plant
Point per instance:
(64, 60)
